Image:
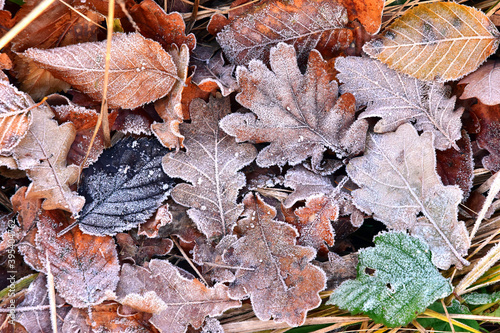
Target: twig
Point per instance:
(52, 294)
(494, 189)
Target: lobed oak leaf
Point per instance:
(398, 180)
(174, 300)
(298, 125)
(209, 256)
(42, 153)
(210, 163)
(436, 41)
(140, 70)
(275, 273)
(398, 99)
(307, 25)
(85, 267)
(124, 187)
(488, 137)
(483, 84)
(166, 29)
(15, 116)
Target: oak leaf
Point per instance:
(15, 116)
(85, 267)
(398, 98)
(124, 187)
(210, 163)
(42, 153)
(483, 84)
(316, 24)
(174, 300)
(140, 70)
(436, 41)
(209, 255)
(270, 275)
(488, 137)
(300, 114)
(398, 180)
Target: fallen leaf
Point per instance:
(136, 122)
(42, 153)
(483, 84)
(15, 116)
(124, 187)
(166, 29)
(151, 227)
(85, 267)
(210, 164)
(488, 137)
(209, 256)
(181, 225)
(174, 300)
(396, 281)
(305, 184)
(269, 275)
(297, 125)
(170, 107)
(440, 41)
(398, 99)
(140, 70)
(369, 13)
(398, 180)
(139, 249)
(317, 24)
(338, 269)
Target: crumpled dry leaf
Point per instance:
(166, 29)
(170, 108)
(42, 153)
(140, 250)
(397, 99)
(338, 269)
(210, 163)
(277, 286)
(174, 300)
(488, 137)
(436, 41)
(15, 116)
(85, 267)
(483, 84)
(140, 70)
(398, 180)
(298, 125)
(316, 24)
(209, 256)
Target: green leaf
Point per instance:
(454, 308)
(481, 298)
(396, 281)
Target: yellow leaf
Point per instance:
(436, 41)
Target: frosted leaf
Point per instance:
(209, 256)
(398, 98)
(487, 118)
(120, 190)
(338, 269)
(140, 70)
(396, 281)
(299, 114)
(398, 180)
(484, 84)
(211, 165)
(174, 300)
(274, 272)
(481, 298)
(305, 184)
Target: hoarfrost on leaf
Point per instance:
(396, 281)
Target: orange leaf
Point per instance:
(488, 137)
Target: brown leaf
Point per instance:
(274, 272)
(140, 70)
(209, 256)
(368, 12)
(151, 227)
(166, 29)
(489, 134)
(338, 269)
(210, 163)
(181, 225)
(107, 318)
(456, 167)
(174, 301)
(15, 116)
(314, 222)
(85, 267)
(43, 153)
(483, 84)
(140, 249)
(436, 41)
(298, 125)
(319, 24)
(170, 108)
(398, 180)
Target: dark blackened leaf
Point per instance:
(124, 187)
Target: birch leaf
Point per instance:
(436, 41)
(398, 180)
(483, 84)
(140, 70)
(398, 99)
(210, 163)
